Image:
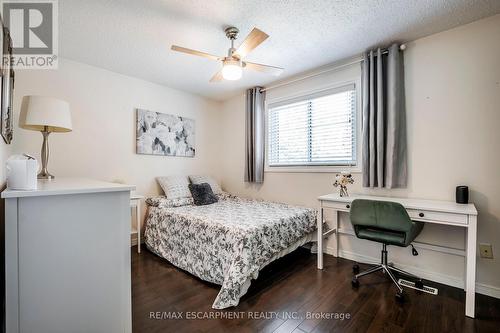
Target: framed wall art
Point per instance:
(165, 134)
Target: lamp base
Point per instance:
(45, 175)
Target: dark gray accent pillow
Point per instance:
(202, 194)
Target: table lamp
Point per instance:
(47, 115)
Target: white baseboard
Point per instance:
(448, 280)
(486, 289)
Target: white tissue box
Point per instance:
(22, 172)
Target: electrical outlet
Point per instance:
(486, 251)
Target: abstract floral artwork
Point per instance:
(165, 134)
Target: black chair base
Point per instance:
(388, 269)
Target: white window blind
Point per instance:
(318, 129)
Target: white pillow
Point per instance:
(175, 186)
(206, 179)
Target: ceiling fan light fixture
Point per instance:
(231, 70)
(234, 62)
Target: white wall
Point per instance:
(102, 143)
(453, 107)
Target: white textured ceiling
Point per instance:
(133, 37)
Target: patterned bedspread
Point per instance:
(228, 242)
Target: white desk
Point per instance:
(429, 211)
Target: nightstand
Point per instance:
(135, 205)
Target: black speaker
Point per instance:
(462, 194)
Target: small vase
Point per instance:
(343, 191)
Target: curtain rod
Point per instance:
(402, 47)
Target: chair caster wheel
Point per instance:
(400, 297)
(354, 283)
(355, 269)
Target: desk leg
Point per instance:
(319, 223)
(470, 288)
(138, 222)
(336, 226)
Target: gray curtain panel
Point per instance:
(384, 119)
(255, 135)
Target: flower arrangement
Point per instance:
(342, 180)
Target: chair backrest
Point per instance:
(376, 214)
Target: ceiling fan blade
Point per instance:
(263, 68)
(254, 39)
(194, 52)
(217, 77)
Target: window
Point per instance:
(314, 130)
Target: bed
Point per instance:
(228, 242)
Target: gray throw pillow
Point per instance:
(202, 194)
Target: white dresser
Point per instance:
(67, 257)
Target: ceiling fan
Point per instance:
(233, 64)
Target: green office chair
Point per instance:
(387, 223)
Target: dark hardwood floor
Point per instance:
(290, 288)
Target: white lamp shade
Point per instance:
(231, 70)
(45, 111)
